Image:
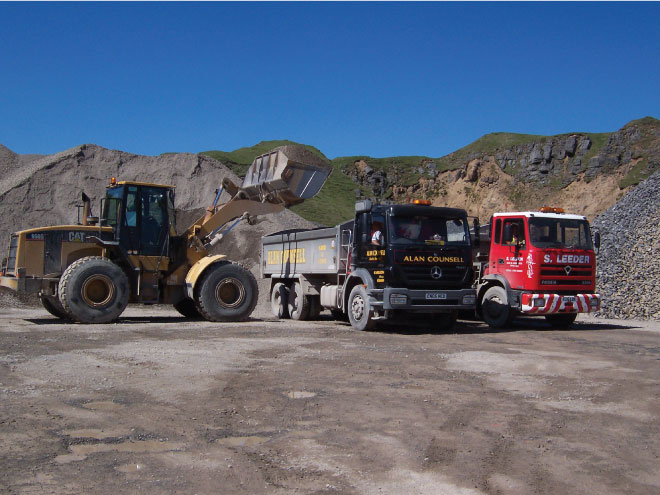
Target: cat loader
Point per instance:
(89, 272)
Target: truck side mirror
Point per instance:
(597, 240)
(508, 233)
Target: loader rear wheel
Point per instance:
(53, 306)
(561, 321)
(94, 290)
(495, 308)
(279, 300)
(227, 292)
(298, 303)
(187, 308)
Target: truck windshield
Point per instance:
(560, 233)
(428, 230)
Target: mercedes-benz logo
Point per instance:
(436, 273)
(567, 269)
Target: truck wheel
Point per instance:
(227, 292)
(94, 290)
(359, 309)
(561, 321)
(279, 301)
(495, 308)
(314, 307)
(53, 306)
(298, 304)
(187, 308)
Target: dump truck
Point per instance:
(536, 263)
(389, 261)
(89, 272)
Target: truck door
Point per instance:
(509, 248)
(372, 239)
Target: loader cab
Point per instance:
(141, 215)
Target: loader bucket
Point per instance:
(286, 175)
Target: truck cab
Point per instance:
(537, 263)
(410, 258)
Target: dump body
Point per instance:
(418, 262)
(543, 261)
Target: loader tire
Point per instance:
(298, 303)
(495, 308)
(53, 306)
(226, 292)
(279, 301)
(187, 308)
(94, 290)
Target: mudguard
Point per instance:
(197, 269)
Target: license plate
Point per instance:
(436, 295)
(569, 299)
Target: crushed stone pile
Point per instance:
(628, 272)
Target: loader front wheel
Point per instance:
(94, 290)
(227, 292)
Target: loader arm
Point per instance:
(284, 177)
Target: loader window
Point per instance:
(154, 220)
(111, 207)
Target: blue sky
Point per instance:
(376, 79)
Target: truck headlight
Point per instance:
(593, 303)
(539, 302)
(469, 300)
(398, 299)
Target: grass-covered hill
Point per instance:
(539, 168)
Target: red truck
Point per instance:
(536, 263)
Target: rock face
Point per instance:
(42, 191)
(628, 272)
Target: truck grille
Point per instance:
(13, 251)
(553, 275)
(418, 277)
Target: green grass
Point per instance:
(643, 170)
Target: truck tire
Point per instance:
(561, 321)
(314, 307)
(226, 292)
(297, 303)
(359, 310)
(279, 301)
(187, 308)
(495, 308)
(93, 290)
(53, 305)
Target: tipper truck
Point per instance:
(89, 272)
(536, 263)
(389, 261)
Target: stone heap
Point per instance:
(628, 273)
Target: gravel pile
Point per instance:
(628, 273)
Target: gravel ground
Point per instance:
(158, 404)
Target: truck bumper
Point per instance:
(543, 304)
(430, 301)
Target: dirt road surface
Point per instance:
(157, 404)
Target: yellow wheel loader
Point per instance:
(131, 254)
